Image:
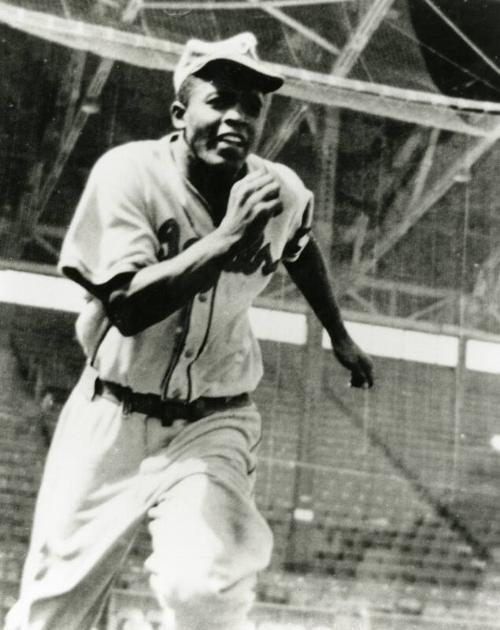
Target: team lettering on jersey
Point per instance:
(252, 258)
(169, 236)
(258, 255)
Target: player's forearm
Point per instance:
(159, 290)
(311, 277)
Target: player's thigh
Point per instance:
(87, 512)
(90, 467)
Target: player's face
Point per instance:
(220, 121)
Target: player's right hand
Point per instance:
(253, 200)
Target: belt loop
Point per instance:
(97, 388)
(88, 383)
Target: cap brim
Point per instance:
(247, 71)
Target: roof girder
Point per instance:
(74, 124)
(69, 141)
(301, 28)
(360, 38)
(397, 228)
(346, 59)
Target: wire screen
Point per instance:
(383, 504)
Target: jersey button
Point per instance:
(189, 354)
(203, 297)
(176, 393)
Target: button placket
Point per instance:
(179, 385)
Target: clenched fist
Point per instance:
(253, 200)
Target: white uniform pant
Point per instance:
(104, 472)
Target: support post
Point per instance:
(300, 553)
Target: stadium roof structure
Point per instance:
(390, 112)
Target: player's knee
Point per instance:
(222, 576)
(180, 590)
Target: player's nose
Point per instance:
(236, 112)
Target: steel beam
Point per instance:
(407, 288)
(36, 198)
(297, 62)
(425, 167)
(372, 283)
(52, 231)
(20, 229)
(93, 91)
(67, 12)
(283, 133)
(400, 167)
(211, 5)
(44, 244)
(301, 28)
(358, 41)
(396, 229)
(349, 55)
(434, 307)
(74, 86)
(488, 280)
(361, 227)
(486, 288)
(364, 303)
(68, 97)
(325, 189)
(409, 106)
(259, 132)
(422, 108)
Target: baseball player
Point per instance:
(173, 239)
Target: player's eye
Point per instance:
(220, 101)
(254, 105)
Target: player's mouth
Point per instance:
(235, 140)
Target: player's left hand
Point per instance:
(357, 362)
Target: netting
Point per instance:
(156, 36)
(384, 505)
(396, 521)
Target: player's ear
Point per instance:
(177, 112)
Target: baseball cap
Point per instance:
(240, 51)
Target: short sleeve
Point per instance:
(111, 233)
(300, 232)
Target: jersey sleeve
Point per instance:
(300, 231)
(111, 233)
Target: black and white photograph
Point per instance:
(250, 314)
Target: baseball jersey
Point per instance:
(136, 210)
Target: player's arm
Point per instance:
(135, 302)
(310, 274)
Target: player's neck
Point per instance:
(212, 182)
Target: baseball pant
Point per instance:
(105, 470)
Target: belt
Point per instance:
(167, 410)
